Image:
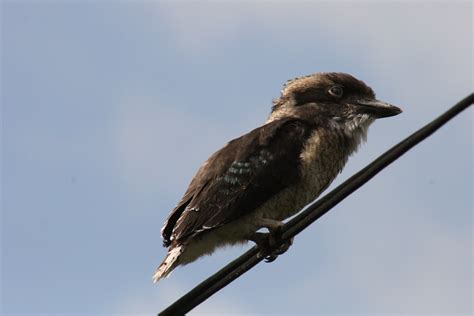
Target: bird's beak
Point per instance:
(378, 108)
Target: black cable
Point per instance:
(313, 212)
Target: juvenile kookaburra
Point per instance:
(269, 174)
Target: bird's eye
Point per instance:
(336, 91)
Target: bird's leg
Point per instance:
(271, 245)
(274, 227)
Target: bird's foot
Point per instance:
(277, 245)
(270, 244)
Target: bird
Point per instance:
(269, 174)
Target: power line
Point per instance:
(312, 213)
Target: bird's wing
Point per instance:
(239, 178)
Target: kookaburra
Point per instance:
(269, 174)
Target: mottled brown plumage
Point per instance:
(267, 175)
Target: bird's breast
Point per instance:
(322, 158)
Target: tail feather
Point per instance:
(168, 264)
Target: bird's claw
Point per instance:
(271, 245)
(270, 258)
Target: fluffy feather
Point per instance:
(168, 264)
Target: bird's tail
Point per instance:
(168, 264)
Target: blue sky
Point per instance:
(108, 108)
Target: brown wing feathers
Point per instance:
(239, 178)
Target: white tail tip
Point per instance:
(168, 264)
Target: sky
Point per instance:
(109, 107)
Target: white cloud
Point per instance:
(202, 23)
(198, 26)
(428, 39)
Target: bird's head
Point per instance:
(335, 98)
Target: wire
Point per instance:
(312, 213)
